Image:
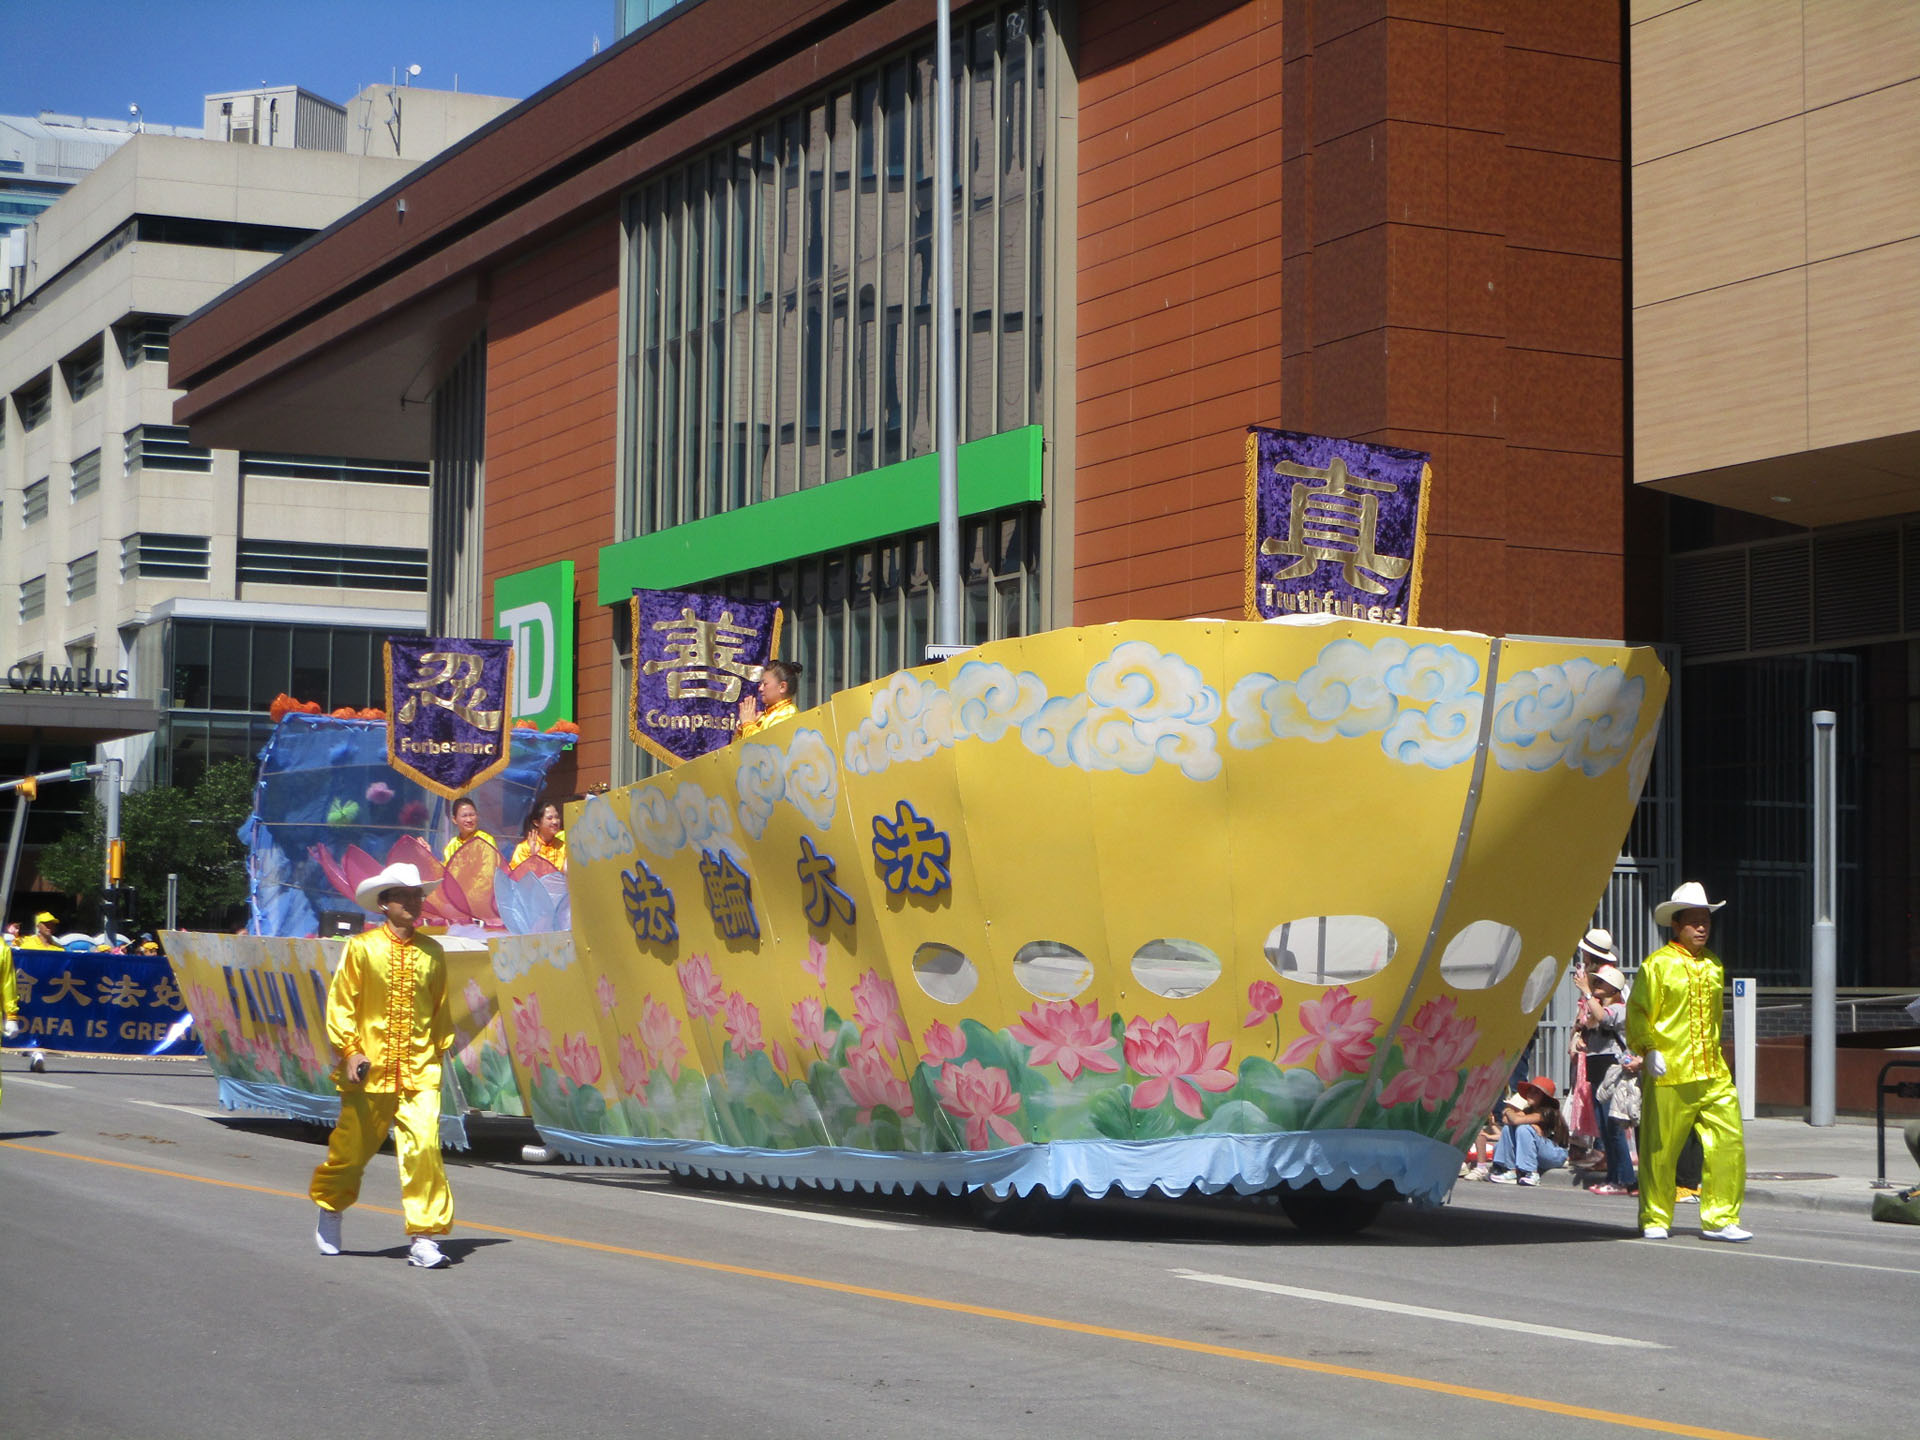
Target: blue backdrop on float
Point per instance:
(101, 1003)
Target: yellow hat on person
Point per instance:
(46, 917)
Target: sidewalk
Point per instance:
(1790, 1162)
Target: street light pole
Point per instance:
(110, 894)
(1826, 874)
(946, 425)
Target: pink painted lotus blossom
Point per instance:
(579, 1060)
(604, 990)
(1476, 1099)
(871, 1081)
(300, 1046)
(633, 1067)
(704, 992)
(1339, 1039)
(1068, 1034)
(810, 1023)
(816, 962)
(1175, 1057)
(982, 1098)
(942, 1043)
(876, 1007)
(1435, 1044)
(1264, 997)
(532, 1043)
(743, 1025)
(478, 1004)
(660, 1034)
(779, 1054)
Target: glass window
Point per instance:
(86, 475)
(33, 598)
(83, 577)
(33, 502)
(312, 663)
(229, 671)
(192, 664)
(352, 678)
(272, 661)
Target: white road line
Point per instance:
(853, 1220)
(200, 1110)
(43, 1084)
(1741, 1252)
(1421, 1312)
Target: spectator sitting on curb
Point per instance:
(1533, 1137)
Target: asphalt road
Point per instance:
(160, 1280)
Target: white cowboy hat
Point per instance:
(395, 877)
(1598, 945)
(1690, 896)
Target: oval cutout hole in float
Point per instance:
(1480, 956)
(1540, 984)
(1331, 949)
(944, 973)
(1049, 970)
(1175, 969)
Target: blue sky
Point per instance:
(97, 57)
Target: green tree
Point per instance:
(192, 834)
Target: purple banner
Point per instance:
(695, 656)
(447, 714)
(1334, 527)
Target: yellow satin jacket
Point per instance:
(1675, 1009)
(388, 1000)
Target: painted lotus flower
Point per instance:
(1435, 1044)
(941, 1043)
(1069, 1034)
(605, 992)
(871, 1081)
(1176, 1058)
(743, 1025)
(876, 1006)
(779, 1054)
(816, 962)
(1476, 1098)
(1264, 997)
(704, 992)
(532, 1042)
(579, 1060)
(633, 1067)
(1339, 1040)
(660, 1034)
(810, 1023)
(981, 1097)
(479, 1003)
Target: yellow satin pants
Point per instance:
(1669, 1113)
(414, 1117)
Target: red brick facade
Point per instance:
(552, 367)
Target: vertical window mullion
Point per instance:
(996, 316)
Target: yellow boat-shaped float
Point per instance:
(1193, 904)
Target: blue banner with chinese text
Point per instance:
(694, 657)
(101, 1003)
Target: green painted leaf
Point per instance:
(1331, 1109)
(1237, 1117)
(1111, 1113)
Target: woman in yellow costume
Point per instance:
(467, 831)
(545, 838)
(9, 995)
(1673, 1024)
(389, 1019)
(775, 702)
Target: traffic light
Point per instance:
(29, 788)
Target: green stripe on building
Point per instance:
(995, 472)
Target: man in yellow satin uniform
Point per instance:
(388, 1017)
(1673, 1024)
(9, 994)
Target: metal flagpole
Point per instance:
(947, 621)
(1825, 883)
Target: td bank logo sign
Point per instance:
(534, 610)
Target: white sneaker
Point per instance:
(1503, 1177)
(1730, 1232)
(426, 1253)
(326, 1231)
(1654, 1232)
(1529, 1177)
(36, 1062)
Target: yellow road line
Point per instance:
(987, 1312)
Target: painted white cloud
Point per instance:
(516, 955)
(760, 783)
(1141, 706)
(988, 699)
(599, 834)
(812, 778)
(1418, 698)
(707, 821)
(1642, 763)
(910, 719)
(656, 821)
(1576, 713)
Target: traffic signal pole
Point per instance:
(27, 789)
(110, 894)
(21, 798)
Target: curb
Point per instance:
(1829, 1201)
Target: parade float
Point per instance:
(1265, 906)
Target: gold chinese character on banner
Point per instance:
(1335, 517)
(703, 657)
(450, 682)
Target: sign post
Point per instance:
(1744, 1053)
(1825, 882)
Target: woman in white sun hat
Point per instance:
(1673, 1024)
(1601, 1018)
